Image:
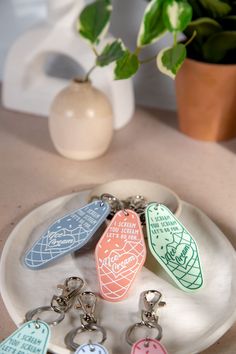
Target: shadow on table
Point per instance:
(229, 145)
(170, 119)
(33, 130)
(166, 117)
(227, 231)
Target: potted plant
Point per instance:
(80, 120)
(206, 83)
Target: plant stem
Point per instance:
(95, 51)
(191, 38)
(137, 51)
(175, 38)
(89, 73)
(147, 60)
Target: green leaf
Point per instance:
(177, 15)
(126, 66)
(217, 46)
(94, 20)
(216, 8)
(152, 25)
(198, 10)
(112, 52)
(204, 27)
(170, 60)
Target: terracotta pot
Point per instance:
(81, 121)
(206, 99)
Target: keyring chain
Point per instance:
(60, 303)
(86, 302)
(149, 318)
(136, 203)
(34, 334)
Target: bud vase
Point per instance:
(81, 121)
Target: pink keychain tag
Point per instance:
(120, 255)
(148, 346)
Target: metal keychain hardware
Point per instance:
(149, 317)
(60, 304)
(136, 203)
(34, 335)
(114, 203)
(86, 302)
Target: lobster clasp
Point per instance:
(70, 289)
(87, 303)
(152, 301)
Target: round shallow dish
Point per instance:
(191, 322)
(153, 192)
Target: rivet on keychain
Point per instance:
(173, 247)
(67, 234)
(34, 335)
(87, 304)
(120, 255)
(149, 320)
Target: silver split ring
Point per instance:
(30, 314)
(69, 339)
(150, 325)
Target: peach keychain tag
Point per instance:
(149, 322)
(120, 255)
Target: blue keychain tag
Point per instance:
(67, 234)
(91, 348)
(31, 337)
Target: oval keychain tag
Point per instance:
(31, 337)
(67, 234)
(148, 346)
(120, 255)
(173, 247)
(91, 348)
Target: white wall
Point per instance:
(16, 16)
(152, 88)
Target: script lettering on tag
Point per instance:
(60, 241)
(118, 262)
(181, 255)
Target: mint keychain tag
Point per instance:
(173, 247)
(31, 337)
(67, 234)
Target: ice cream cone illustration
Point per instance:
(173, 247)
(67, 234)
(120, 255)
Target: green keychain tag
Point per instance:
(31, 337)
(173, 247)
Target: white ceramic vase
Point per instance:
(81, 121)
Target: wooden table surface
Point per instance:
(150, 147)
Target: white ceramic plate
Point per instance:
(153, 192)
(191, 322)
